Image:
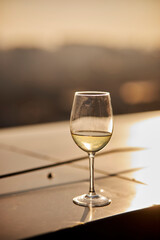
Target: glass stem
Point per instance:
(91, 167)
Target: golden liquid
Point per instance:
(91, 141)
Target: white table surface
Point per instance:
(126, 170)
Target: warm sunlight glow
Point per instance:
(48, 23)
(139, 92)
(146, 134)
(149, 194)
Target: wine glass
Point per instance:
(91, 126)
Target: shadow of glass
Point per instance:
(88, 214)
(128, 149)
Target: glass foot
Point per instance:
(91, 200)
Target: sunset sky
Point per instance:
(50, 23)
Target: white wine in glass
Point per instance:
(91, 126)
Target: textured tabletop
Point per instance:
(41, 170)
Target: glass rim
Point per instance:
(92, 93)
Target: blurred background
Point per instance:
(49, 49)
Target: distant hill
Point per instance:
(37, 85)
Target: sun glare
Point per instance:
(146, 134)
